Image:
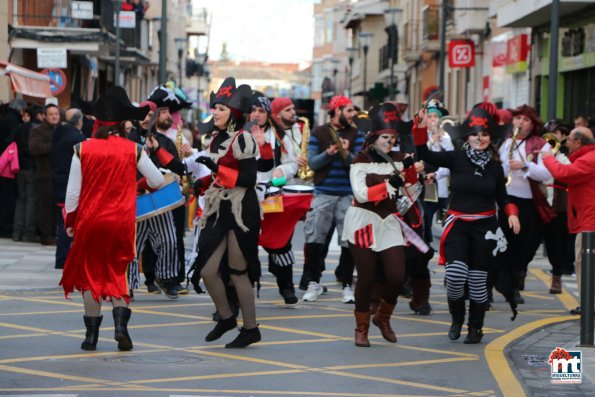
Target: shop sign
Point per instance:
(51, 58)
(517, 53)
(498, 53)
(82, 10)
(461, 54)
(127, 19)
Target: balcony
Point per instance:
(430, 29)
(196, 25)
(411, 52)
(57, 14)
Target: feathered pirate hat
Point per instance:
(114, 106)
(168, 96)
(239, 98)
(478, 120)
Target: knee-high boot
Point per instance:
(382, 320)
(476, 315)
(457, 314)
(284, 275)
(362, 324)
(92, 324)
(421, 294)
(121, 316)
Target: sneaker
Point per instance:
(181, 290)
(153, 289)
(576, 311)
(348, 295)
(313, 292)
(168, 288)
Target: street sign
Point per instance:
(461, 54)
(57, 80)
(82, 10)
(51, 58)
(127, 19)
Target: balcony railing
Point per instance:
(430, 22)
(411, 40)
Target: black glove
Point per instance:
(408, 162)
(208, 162)
(396, 181)
(197, 187)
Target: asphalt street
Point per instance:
(306, 350)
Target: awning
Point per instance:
(26, 81)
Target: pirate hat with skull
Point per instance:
(478, 120)
(239, 98)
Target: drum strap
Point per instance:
(279, 140)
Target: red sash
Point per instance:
(450, 221)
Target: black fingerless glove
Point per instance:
(396, 181)
(209, 163)
(408, 162)
(197, 187)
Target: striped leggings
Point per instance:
(161, 232)
(458, 274)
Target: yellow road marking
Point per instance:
(566, 298)
(402, 364)
(496, 359)
(218, 376)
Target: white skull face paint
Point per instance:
(385, 142)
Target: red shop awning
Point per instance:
(26, 81)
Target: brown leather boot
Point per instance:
(362, 324)
(556, 287)
(382, 320)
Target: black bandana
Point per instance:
(479, 158)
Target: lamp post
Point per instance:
(117, 7)
(392, 17)
(163, 43)
(365, 38)
(180, 45)
(350, 51)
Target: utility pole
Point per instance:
(552, 86)
(163, 44)
(443, 16)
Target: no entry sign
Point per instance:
(57, 80)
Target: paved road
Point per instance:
(306, 350)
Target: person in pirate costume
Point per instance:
(277, 160)
(522, 162)
(100, 210)
(231, 217)
(471, 237)
(372, 227)
(163, 266)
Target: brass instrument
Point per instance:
(179, 143)
(510, 154)
(305, 173)
(553, 140)
(337, 141)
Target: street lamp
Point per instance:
(365, 38)
(180, 46)
(351, 51)
(117, 8)
(392, 17)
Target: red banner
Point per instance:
(461, 54)
(517, 53)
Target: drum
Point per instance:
(164, 199)
(298, 189)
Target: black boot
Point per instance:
(92, 324)
(245, 338)
(519, 285)
(121, 317)
(284, 276)
(476, 315)
(457, 313)
(222, 327)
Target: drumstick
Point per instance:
(152, 122)
(387, 158)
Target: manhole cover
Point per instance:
(534, 360)
(155, 359)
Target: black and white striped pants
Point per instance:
(161, 233)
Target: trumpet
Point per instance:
(553, 140)
(510, 154)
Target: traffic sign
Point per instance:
(57, 80)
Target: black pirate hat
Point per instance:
(434, 105)
(478, 120)
(168, 96)
(386, 117)
(114, 106)
(239, 98)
